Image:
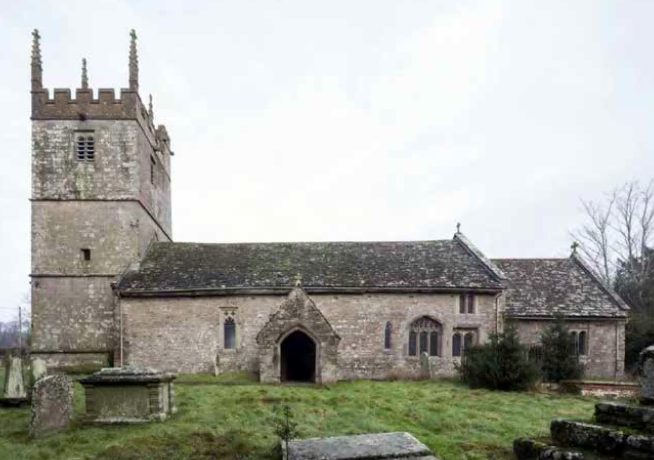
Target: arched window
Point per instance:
(575, 341)
(427, 333)
(387, 335)
(582, 343)
(468, 342)
(456, 344)
(230, 333)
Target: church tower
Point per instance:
(100, 196)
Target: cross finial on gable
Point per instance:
(458, 227)
(574, 247)
(298, 280)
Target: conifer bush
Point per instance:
(499, 364)
(559, 359)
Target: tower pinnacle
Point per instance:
(37, 70)
(133, 63)
(85, 76)
(151, 110)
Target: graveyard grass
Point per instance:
(228, 420)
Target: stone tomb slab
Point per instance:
(360, 447)
(129, 395)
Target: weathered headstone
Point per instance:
(425, 366)
(646, 375)
(52, 405)
(39, 369)
(14, 384)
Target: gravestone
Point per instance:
(14, 385)
(646, 375)
(39, 369)
(359, 447)
(52, 405)
(425, 366)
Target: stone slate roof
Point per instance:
(544, 287)
(347, 266)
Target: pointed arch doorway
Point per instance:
(298, 358)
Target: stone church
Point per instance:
(110, 287)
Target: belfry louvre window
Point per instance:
(424, 337)
(85, 146)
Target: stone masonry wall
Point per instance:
(72, 314)
(185, 334)
(600, 360)
(120, 171)
(108, 205)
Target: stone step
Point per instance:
(530, 449)
(602, 439)
(360, 447)
(638, 417)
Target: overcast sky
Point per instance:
(354, 120)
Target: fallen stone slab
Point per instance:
(377, 446)
(639, 417)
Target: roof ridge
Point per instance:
(301, 242)
(607, 289)
(475, 252)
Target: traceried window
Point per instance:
(85, 146)
(466, 303)
(424, 337)
(388, 331)
(230, 333)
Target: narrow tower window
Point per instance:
(152, 165)
(86, 255)
(230, 333)
(85, 147)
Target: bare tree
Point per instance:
(619, 232)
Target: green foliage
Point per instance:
(284, 426)
(639, 335)
(559, 358)
(233, 421)
(499, 364)
(634, 282)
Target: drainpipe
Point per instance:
(497, 312)
(617, 344)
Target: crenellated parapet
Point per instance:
(82, 106)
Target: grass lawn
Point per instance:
(234, 421)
